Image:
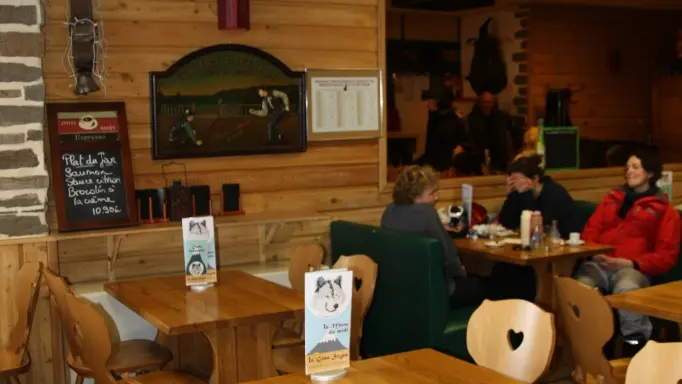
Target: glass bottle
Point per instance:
(536, 237)
(554, 235)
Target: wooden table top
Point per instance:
(237, 299)
(509, 255)
(663, 301)
(424, 366)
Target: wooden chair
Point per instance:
(588, 323)
(305, 258)
(89, 332)
(656, 363)
(14, 356)
(490, 332)
(292, 359)
(127, 356)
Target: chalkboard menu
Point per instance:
(91, 167)
(561, 148)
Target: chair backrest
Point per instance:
(494, 327)
(25, 302)
(364, 281)
(305, 258)
(588, 323)
(656, 363)
(410, 298)
(59, 290)
(90, 333)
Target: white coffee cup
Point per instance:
(574, 238)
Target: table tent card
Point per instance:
(665, 183)
(467, 202)
(328, 297)
(198, 236)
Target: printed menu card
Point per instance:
(328, 297)
(198, 236)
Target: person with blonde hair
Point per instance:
(413, 211)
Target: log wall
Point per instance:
(578, 46)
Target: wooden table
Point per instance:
(238, 318)
(556, 261)
(559, 261)
(662, 301)
(424, 366)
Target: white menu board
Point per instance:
(342, 105)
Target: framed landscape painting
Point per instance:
(227, 100)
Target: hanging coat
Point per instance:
(488, 72)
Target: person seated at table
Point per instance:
(413, 211)
(530, 189)
(639, 222)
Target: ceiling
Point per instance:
(441, 5)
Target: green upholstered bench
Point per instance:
(410, 309)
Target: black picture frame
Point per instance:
(168, 110)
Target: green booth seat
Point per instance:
(410, 309)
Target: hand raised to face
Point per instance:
(519, 183)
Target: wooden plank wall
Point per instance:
(667, 110)
(150, 35)
(570, 46)
(43, 349)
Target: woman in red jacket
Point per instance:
(644, 229)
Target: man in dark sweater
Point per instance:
(493, 130)
(530, 189)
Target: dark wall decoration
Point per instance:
(488, 71)
(227, 100)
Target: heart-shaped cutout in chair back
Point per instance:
(515, 339)
(575, 309)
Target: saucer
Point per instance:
(494, 244)
(576, 244)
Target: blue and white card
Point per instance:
(198, 236)
(328, 299)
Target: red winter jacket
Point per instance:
(648, 235)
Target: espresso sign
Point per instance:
(91, 167)
(87, 126)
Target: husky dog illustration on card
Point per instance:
(329, 298)
(198, 228)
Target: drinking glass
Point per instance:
(492, 232)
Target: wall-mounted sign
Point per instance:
(344, 104)
(91, 167)
(227, 100)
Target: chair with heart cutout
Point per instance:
(656, 363)
(512, 337)
(587, 320)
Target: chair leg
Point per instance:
(13, 380)
(80, 379)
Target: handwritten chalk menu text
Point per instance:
(93, 185)
(92, 172)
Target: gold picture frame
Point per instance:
(329, 86)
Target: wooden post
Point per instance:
(233, 14)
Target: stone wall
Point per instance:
(520, 61)
(23, 173)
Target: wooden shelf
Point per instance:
(266, 225)
(220, 222)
